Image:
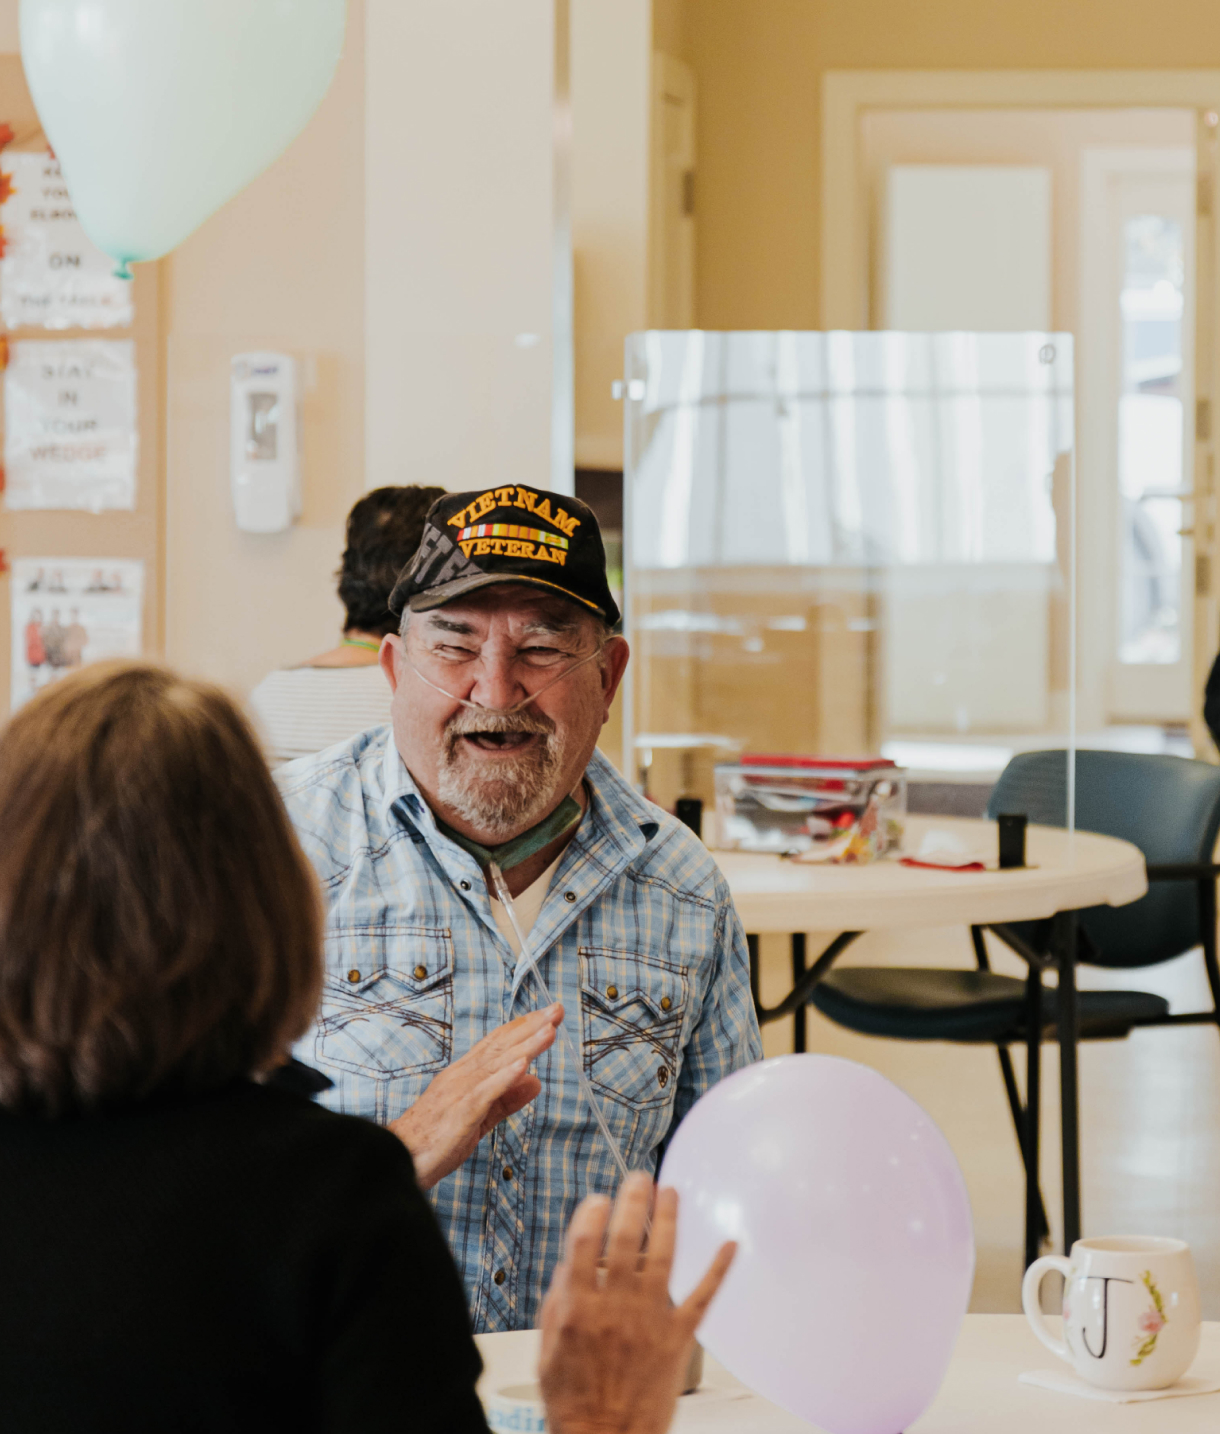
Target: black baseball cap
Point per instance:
(511, 534)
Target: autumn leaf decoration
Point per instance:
(3, 242)
(3, 351)
(6, 134)
(6, 186)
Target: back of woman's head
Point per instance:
(383, 531)
(159, 925)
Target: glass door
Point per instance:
(1139, 330)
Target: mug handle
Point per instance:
(1031, 1301)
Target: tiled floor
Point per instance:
(1149, 1112)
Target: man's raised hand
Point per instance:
(473, 1095)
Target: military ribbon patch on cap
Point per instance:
(511, 530)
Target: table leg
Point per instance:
(798, 998)
(1069, 1034)
(1033, 1098)
(799, 1016)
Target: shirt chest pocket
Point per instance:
(388, 1007)
(633, 1009)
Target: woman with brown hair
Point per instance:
(183, 1246)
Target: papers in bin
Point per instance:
(943, 850)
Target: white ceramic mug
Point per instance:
(1130, 1310)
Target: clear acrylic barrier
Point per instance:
(846, 544)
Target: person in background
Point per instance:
(183, 1245)
(53, 634)
(1211, 702)
(35, 648)
(302, 710)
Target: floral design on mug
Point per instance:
(1151, 1322)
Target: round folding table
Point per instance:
(1065, 872)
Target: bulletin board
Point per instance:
(113, 537)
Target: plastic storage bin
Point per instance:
(830, 809)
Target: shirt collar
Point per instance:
(398, 785)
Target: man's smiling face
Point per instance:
(489, 771)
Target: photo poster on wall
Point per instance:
(70, 436)
(52, 276)
(70, 611)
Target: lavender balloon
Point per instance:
(855, 1243)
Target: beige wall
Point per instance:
(670, 31)
(759, 65)
(458, 241)
(279, 267)
(611, 44)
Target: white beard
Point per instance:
(520, 794)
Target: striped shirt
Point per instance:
(301, 710)
(637, 936)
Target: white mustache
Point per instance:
(486, 719)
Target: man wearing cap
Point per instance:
(503, 672)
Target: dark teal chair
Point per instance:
(1169, 807)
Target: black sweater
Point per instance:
(244, 1260)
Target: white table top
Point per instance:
(980, 1391)
(1066, 872)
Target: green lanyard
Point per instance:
(565, 816)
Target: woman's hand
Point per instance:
(614, 1354)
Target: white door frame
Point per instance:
(1126, 693)
(847, 94)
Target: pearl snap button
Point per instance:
(420, 972)
(612, 991)
(499, 1277)
(665, 1003)
(353, 975)
(569, 896)
(663, 1076)
(465, 885)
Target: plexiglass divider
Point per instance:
(847, 545)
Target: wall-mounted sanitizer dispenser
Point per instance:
(265, 442)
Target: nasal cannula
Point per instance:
(506, 900)
(586, 1089)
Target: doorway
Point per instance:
(1149, 610)
(1053, 219)
(1137, 327)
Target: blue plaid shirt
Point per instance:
(638, 938)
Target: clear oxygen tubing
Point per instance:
(518, 706)
(506, 900)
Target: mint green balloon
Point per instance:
(161, 110)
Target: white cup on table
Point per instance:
(1130, 1310)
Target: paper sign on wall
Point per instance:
(69, 611)
(52, 275)
(70, 424)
